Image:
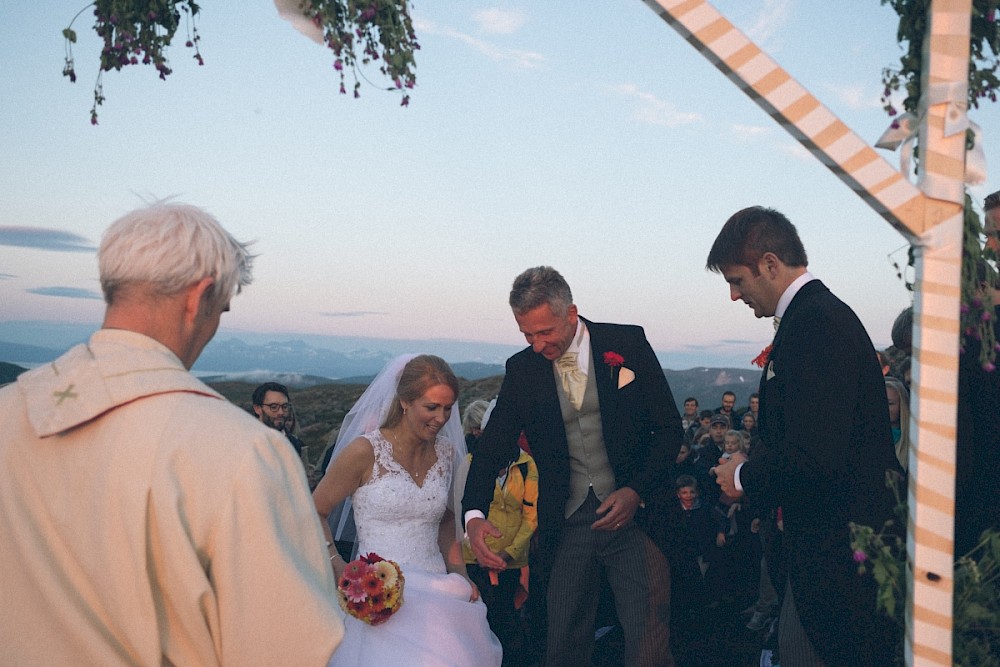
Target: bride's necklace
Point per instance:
(394, 441)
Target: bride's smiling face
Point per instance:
(428, 414)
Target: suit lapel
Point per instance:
(605, 376)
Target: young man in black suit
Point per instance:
(603, 428)
(826, 443)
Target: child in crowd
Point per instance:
(685, 465)
(728, 506)
(735, 571)
(686, 539)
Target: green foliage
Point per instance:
(979, 272)
(134, 32)
(976, 610)
(139, 31)
(380, 30)
(984, 44)
(979, 279)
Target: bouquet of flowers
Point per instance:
(371, 589)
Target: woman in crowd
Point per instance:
(899, 417)
(514, 511)
(398, 469)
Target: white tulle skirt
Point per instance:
(437, 626)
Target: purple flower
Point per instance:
(338, 64)
(964, 309)
(986, 316)
(860, 556)
(989, 367)
(991, 16)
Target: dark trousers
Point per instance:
(503, 618)
(640, 581)
(794, 647)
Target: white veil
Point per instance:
(369, 413)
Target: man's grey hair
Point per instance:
(167, 247)
(539, 286)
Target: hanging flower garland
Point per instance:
(979, 270)
(380, 30)
(134, 32)
(984, 46)
(138, 32)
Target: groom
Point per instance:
(825, 443)
(603, 427)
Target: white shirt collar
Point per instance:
(790, 292)
(581, 345)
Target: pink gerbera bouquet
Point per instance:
(371, 589)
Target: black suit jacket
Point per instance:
(826, 446)
(641, 427)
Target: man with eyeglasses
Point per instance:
(274, 409)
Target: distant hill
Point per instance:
(320, 408)
(296, 362)
(708, 385)
(9, 372)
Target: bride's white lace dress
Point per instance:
(399, 520)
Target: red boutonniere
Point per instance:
(761, 358)
(614, 360)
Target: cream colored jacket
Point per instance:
(145, 520)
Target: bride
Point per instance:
(398, 471)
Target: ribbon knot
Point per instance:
(903, 131)
(574, 382)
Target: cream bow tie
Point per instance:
(574, 382)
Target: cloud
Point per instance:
(796, 150)
(771, 20)
(352, 313)
(854, 97)
(749, 132)
(654, 111)
(499, 21)
(517, 57)
(44, 239)
(6, 276)
(68, 292)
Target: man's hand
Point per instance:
(725, 474)
(618, 509)
(478, 529)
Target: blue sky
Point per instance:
(586, 136)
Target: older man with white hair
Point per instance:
(145, 519)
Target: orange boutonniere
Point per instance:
(761, 358)
(614, 360)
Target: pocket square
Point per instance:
(625, 377)
(770, 370)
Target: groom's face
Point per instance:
(548, 334)
(755, 289)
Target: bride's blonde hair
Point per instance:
(419, 374)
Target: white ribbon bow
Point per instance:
(903, 132)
